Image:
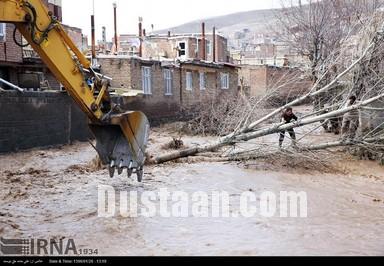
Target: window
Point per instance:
(189, 81)
(147, 80)
(208, 47)
(2, 32)
(225, 81)
(168, 81)
(182, 49)
(202, 81)
(56, 12)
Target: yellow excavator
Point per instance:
(121, 136)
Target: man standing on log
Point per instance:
(350, 122)
(287, 118)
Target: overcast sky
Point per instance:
(162, 13)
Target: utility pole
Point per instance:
(115, 22)
(93, 35)
(141, 36)
(104, 38)
(203, 42)
(214, 45)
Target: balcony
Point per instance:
(30, 56)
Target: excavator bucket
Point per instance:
(121, 143)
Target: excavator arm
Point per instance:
(121, 136)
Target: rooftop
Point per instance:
(176, 62)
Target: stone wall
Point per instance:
(35, 119)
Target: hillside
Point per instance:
(237, 27)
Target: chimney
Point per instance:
(104, 36)
(141, 37)
(93, 37)
(203, 43)
(115, 22)
(214, 44)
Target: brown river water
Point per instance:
(52, 194)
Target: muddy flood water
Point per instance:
(52, 194)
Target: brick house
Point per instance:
(168, 88)
(128, 44)
(203, 81)
(11, 55)
(186, 46)
(77, 36)
(34, 119)
(22, 66)
(18, 65)
(177, 46)
(15, 65)
(55, 6)
(284, 82)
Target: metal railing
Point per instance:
(13, 86)
(29, 53)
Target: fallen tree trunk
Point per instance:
(260, 133)
(188, 152)
(255, 154)
(323, 146)
(335, 144)
(304, 122)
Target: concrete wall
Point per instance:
(31, 119)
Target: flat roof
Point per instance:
(171, 61)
